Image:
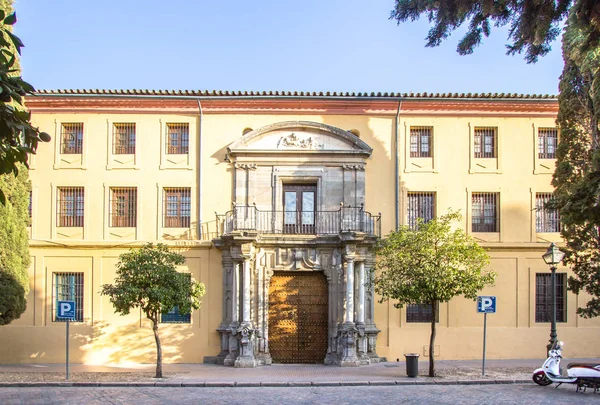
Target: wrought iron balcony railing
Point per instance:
(250, 218)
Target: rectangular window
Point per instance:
(421, 141)
(543, 297)
(546, 219)
(485, 142)
(123, 207)
(177, 207)
(68, 287)
(485, 212)
(124, 139)
(178, 138)
(420, 205)
(69, 206)
(547, 142)
(417, 313)
(71, 138)
(173, 316)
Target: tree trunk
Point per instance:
(159, 373)
(432, 339)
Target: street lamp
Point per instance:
(552, 257)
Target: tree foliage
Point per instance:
(533, 26)
(147, 278)
(18, 137)
(430, 265)
(12, 298)
(14, 245)
(577, 175)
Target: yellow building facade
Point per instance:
(276, 201)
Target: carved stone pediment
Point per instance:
(300, 137)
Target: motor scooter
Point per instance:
(585, 375)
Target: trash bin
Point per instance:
(412, 364)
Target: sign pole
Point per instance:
(484, 330)
(67, 351)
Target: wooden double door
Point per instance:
(298, 317)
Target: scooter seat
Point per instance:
(584, 365)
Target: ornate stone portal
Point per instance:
(323, 230)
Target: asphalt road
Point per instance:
(428, 394)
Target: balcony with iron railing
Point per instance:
(244, 218)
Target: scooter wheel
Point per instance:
(540, 378)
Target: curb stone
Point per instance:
(216, 384)
(247, 384)
(273, 384)
(300, 384)
(326, 384)
(195, 384)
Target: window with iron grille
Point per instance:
(124, 139)
(485, 142)
(69, 206)
(68, 287)
(178, 138)
(421, 313)
(71, 138)
(421, 141)
(420, 205)
(485, 212)
(543, 297)
(123, 207)
(173, 316)
(177, 207)
(547, 142)
(546, 219)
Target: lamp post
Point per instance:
(552, 257)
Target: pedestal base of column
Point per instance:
(264, 359)
(330, 359)
(247, 336)
(245, 362)
(224, 332)
(230, 358)
(347, 337)
(371, 333)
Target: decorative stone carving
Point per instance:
(358, 168)
(294, 141)
(245, 166)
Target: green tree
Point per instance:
(14, 245)
(12, 298)
(430, 265)
(533, 25)
(18, 137)
(147, 279)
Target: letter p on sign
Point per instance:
(486, 304)
(66, 309)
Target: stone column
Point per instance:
(247, 334)
(349, 313)
(246, 293)
(235, 312)
(348, 333)
(361, 293)
(224, 329)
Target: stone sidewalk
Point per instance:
(278, 375)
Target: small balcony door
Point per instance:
(299, 202)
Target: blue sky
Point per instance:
(308, 45)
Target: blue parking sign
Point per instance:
(486, 304)
(66, 310)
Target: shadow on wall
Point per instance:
(132, 344)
